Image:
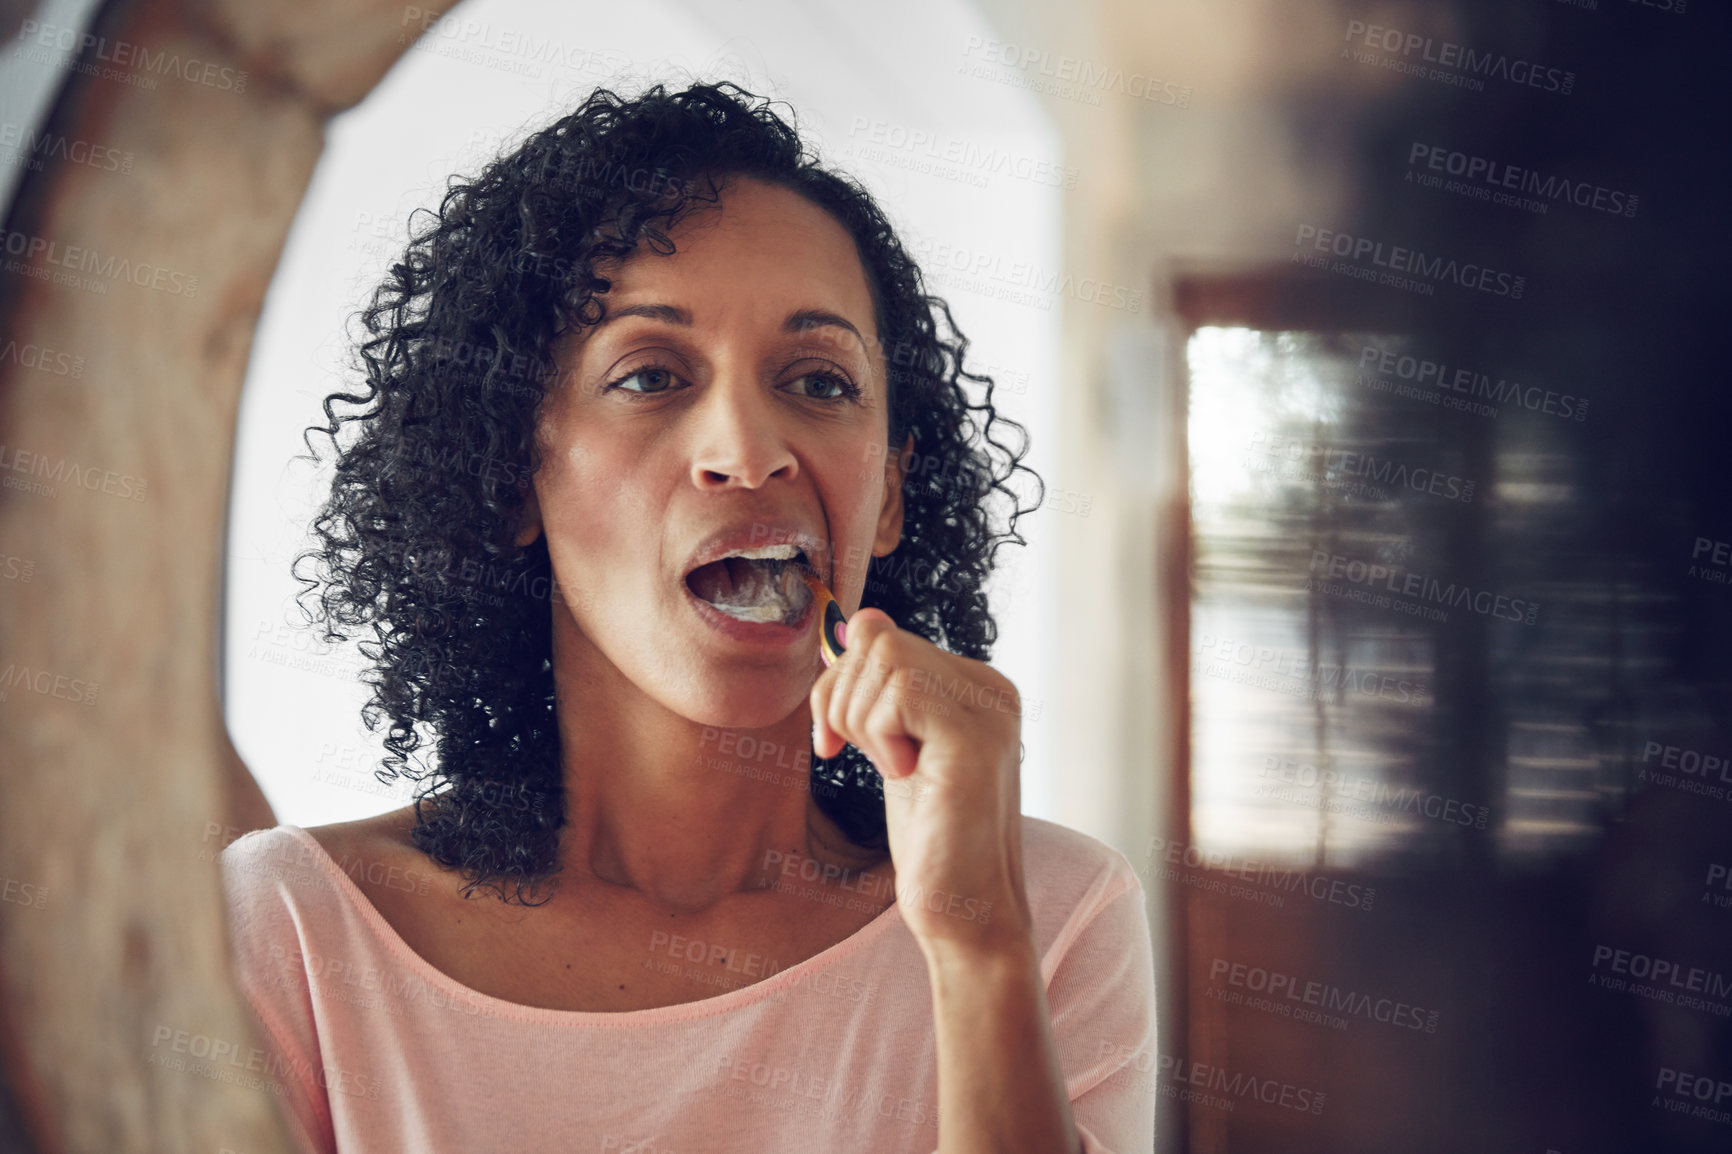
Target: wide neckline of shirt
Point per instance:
(655, 1015)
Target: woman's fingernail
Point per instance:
(842, 632)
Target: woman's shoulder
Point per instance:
(272, 878)
(264, 858)
(1068, 861)
(296, 867)
(1072, 878)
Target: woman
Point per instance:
(630, 385)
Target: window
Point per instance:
(1393, 656)
(1310, 699)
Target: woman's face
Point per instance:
(733, 398)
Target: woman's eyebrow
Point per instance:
(801, 321)
(669, 313)
(806, 319)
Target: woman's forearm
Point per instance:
(1000, 1086)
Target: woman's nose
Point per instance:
(738, 438)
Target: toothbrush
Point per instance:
(831, 622)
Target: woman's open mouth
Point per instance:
(762, 584)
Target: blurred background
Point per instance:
(1378, 606)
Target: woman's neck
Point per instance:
(687, 814)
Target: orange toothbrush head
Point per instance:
(830, 620)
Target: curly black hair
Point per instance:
(416, 536)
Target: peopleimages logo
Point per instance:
(1717, 568)
(1339, 574)
(1019, 282)
(1679, 1088)
(1688, 770)
(1719, 877)
(1259, 662)
(1661, 980)
(1501, 179)
(1225, 1086)
(1447, 61)
(1440, 377)
(54, 471)
(22, 144)
(802, 1083)
(1166, 860)
(1356, 251)
(25, 249)
(47, 683)
(1366, 797)
(1084, 76)
(517, 50)
(44, 359)
(90, 51)
(976, 159)
(1330, 1001)
(1334, 465)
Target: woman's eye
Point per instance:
(654, 381)
(830, 386)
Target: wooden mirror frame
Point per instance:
(118, 782)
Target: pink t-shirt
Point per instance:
(374, 1051)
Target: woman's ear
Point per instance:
(890, 516)
(530, 524)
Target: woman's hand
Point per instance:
(945, 733)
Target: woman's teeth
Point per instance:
(753, 590)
